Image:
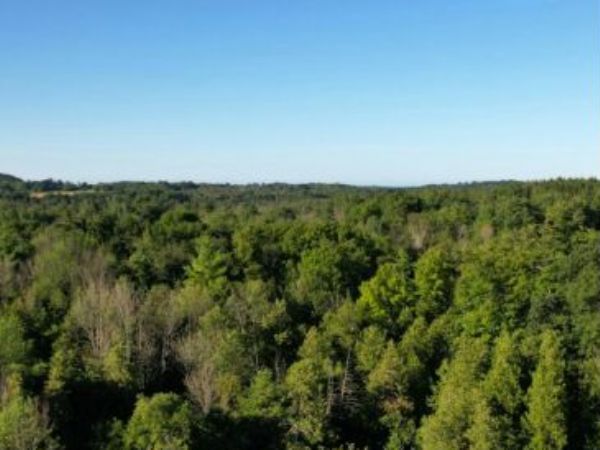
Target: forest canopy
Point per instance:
(196, 316)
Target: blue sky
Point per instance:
(396, 92)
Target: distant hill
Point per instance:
(4, 177)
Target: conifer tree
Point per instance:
(454, 406)
(545, 417)
(496, 420)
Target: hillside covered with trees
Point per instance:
(185, 316)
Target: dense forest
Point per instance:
(190, 316)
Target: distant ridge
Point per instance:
(10, 178)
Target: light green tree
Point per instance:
(161, 422)
(434, 279)
(320, 281)
(546, 397)
(388, 298)
(211, 265)
(310, 386)
(454, 405)
(500, 400)
(14, 351)
(22, 424)
(369, 348)
(263, 399)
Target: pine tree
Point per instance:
(496, 420)
(547, 397)
(454, 405)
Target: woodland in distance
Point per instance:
(195, 316)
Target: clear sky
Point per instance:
(394, 92)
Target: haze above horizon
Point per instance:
(379, 93)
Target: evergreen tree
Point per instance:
(499, 404)
(546, 414)
(454, 400)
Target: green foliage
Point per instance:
(434, 281)
(389, 298)
(499, 405)
(320, 281)
(66, 365)
(58, 265)
(263, 399)
(453, 404)
(370, 347)
(215, 360)
(22, 424)
(161, 422)
(547, 397)
(15, 241)
(307, 385)
(210, 267)
(311, 316)
(15, 349)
